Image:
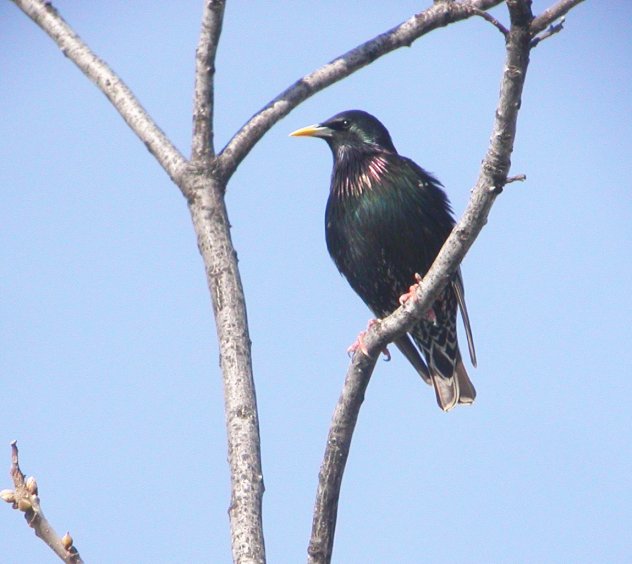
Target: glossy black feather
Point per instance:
(386, 220)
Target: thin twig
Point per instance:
(552, 30)
(517, 178)
(491, 19)
(552, 14)
(204, 96)
(25, 498)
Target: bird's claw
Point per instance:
(430, 316)
(411, 291)
(358, 344)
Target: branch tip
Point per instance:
(517, 178)
(25, 499)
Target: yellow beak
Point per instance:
(315, 130)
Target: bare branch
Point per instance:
(438, 15)
(205, 192)
(204, 97)
(25, 498)
(552, 14)
(492, 20)
(210, 220)
(47, 17)
(517, 178)
(332, 468)
(552, 30)
(493, 175)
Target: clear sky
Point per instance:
(108, 360)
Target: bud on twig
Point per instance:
(31, 485)
(8, 496)
(66, 541)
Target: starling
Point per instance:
(386, 220)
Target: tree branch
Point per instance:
(25, 498)
(492, 177)
(492, 20)
(205, 191)
(438, 15)
(204, 97)
(552, 30)
(47, 17)
(212, 227)
(552, 14)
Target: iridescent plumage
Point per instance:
(386, 221)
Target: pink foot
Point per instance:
(430, 314)
(411, 291)
(358, 344)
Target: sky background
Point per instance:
(108, 359)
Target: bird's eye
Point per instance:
(346, 124)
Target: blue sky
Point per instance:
(109, 364)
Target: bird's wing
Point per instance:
(405, 345)
(457, 285)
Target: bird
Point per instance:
(386, 220)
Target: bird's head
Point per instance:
(353, 129)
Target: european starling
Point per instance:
(386, 220)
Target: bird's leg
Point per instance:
(430, 314)
(358, 344)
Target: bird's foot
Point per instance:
(430, 316)
(411, 291)
(358, 344)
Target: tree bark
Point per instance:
(210, 221)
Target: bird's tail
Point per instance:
(438, 341)
(452, 390)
